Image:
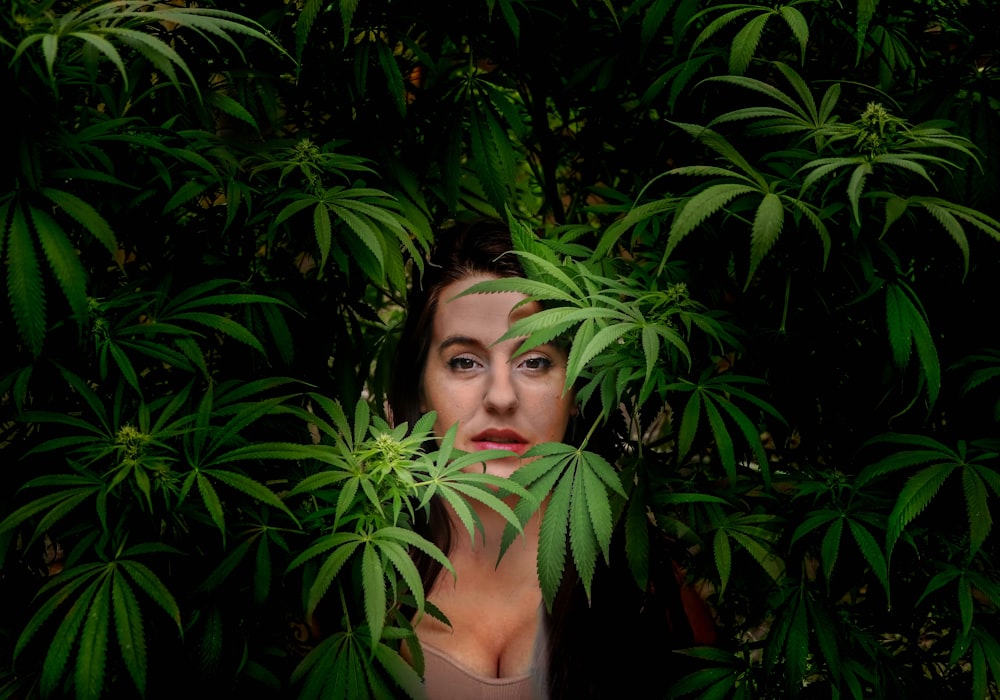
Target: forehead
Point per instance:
(486, 311)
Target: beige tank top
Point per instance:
(446, 679)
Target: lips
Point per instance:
(500, 439)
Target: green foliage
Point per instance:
(732, 213)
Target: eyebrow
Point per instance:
(457, 340)
(468, 340)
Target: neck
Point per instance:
(484, 547)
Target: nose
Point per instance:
(501, 393)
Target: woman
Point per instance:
(500, 643)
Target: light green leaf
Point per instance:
(699, 208)
(598, 504)
(373, 585)
(157, 51)
(720, 145)
(327, 571)
(399, 670)
(745, 43)
(552, 539)
(597, 344)
(412, 539)
(582, 538)
(717, 24)
(769, 561)
(767, 224)
(799, 26)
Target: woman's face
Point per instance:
(499, 402)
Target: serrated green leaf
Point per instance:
(977, 509)
(129, 629)
(699, 208)
(918, 491)
(154, 588)
(250, 487)
(830, 548)
(213, 504)
(768, 559)
(688, 427)
(65, 639)
(92, 655)
(798, 24)
(723, 558)
(24, 283)
(718, 23)
(582, 539)
(224, 103)
(826, 632)
(327, 572)
(767, 224)
(744, 44)
(872, 553)
(552, 539)
(713, 682)
(720, 435)
(373, 585)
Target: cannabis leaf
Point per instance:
(745, 42)
(744, 186)
(340, 667)
(795, 115)
(94, 604)
(713, 396)
(974, 465)
(756, 534)
(909, 328)
(616, 320)
(952, 218)
(578, 516)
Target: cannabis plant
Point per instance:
(767, 231)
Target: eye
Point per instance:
(537, 362)
(462, 363)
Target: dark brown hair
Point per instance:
(481, 246)
(594, 651)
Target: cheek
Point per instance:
(555, 415)
(437, 395)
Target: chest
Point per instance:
(494, 627)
